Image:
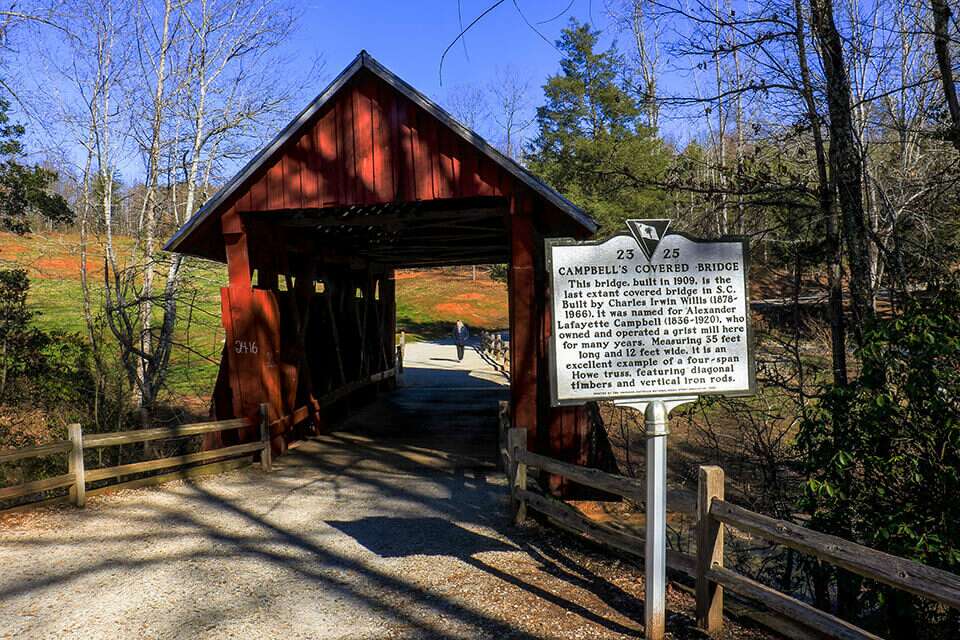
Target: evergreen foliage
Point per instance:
(24, 189)
(591, 143)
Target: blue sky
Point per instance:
(407, 36)
(410, 36)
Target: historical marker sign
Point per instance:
(649, 314)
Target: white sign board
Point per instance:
(649, 315)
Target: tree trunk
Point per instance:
(846, 163)
(825, 195)
(941, 45)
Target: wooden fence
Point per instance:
(706, 567)
(498, 350)
(77, 476)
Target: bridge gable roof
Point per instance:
(370, 139)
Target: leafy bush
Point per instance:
(883, 454)
(45, 383)
(36, 367)
(499, 272)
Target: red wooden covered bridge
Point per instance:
(373, 176)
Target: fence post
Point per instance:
(516, 445)
(709, 550)
(78, 490)
(503, 427)
(266, 454)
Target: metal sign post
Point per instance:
(656, 415)
(650, 320)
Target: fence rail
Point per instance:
(906, 575)
(496, 348)
(519, 459)
(77, 476)
(61, 446)
(706, 567)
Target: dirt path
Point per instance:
(352, 537)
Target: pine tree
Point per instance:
(24, 189)
(592, 145)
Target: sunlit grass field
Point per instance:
(428, 302)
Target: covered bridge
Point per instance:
(373, 176)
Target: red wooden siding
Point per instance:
(372, 145)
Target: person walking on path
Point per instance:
(460, 335)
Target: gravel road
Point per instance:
(289, 555)
(350, 537)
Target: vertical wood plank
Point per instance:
(363, 140)
(275, 186)
(309, 168)
(433, 151)
(383, 144)
(328, 169)
(446, 181)
(469, 180)
(517, 443)
(396, 143)
(258, 192)
(455, 165)
(245, 201)
(486, 177)
(266, 455)
(523, 321)
(229, 361)
(292, 190)
(709, 550)
(78, 491)
(408, 173)
(346, 150)
(340, 165)
(238, 259)
(422, 161)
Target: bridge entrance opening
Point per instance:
(373, 177)
(443, 413)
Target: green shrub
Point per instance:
(883, 454)
(37, 368)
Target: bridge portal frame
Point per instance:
(371, 177)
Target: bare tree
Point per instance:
(468, 104)
(512, 108)
(845, 160)
(186, 87)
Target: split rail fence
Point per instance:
(706, 567)
(76, 442)
(77, 476)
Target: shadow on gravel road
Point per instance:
(403, 537)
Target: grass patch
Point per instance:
(428, 301)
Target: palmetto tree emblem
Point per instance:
(648, 234)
